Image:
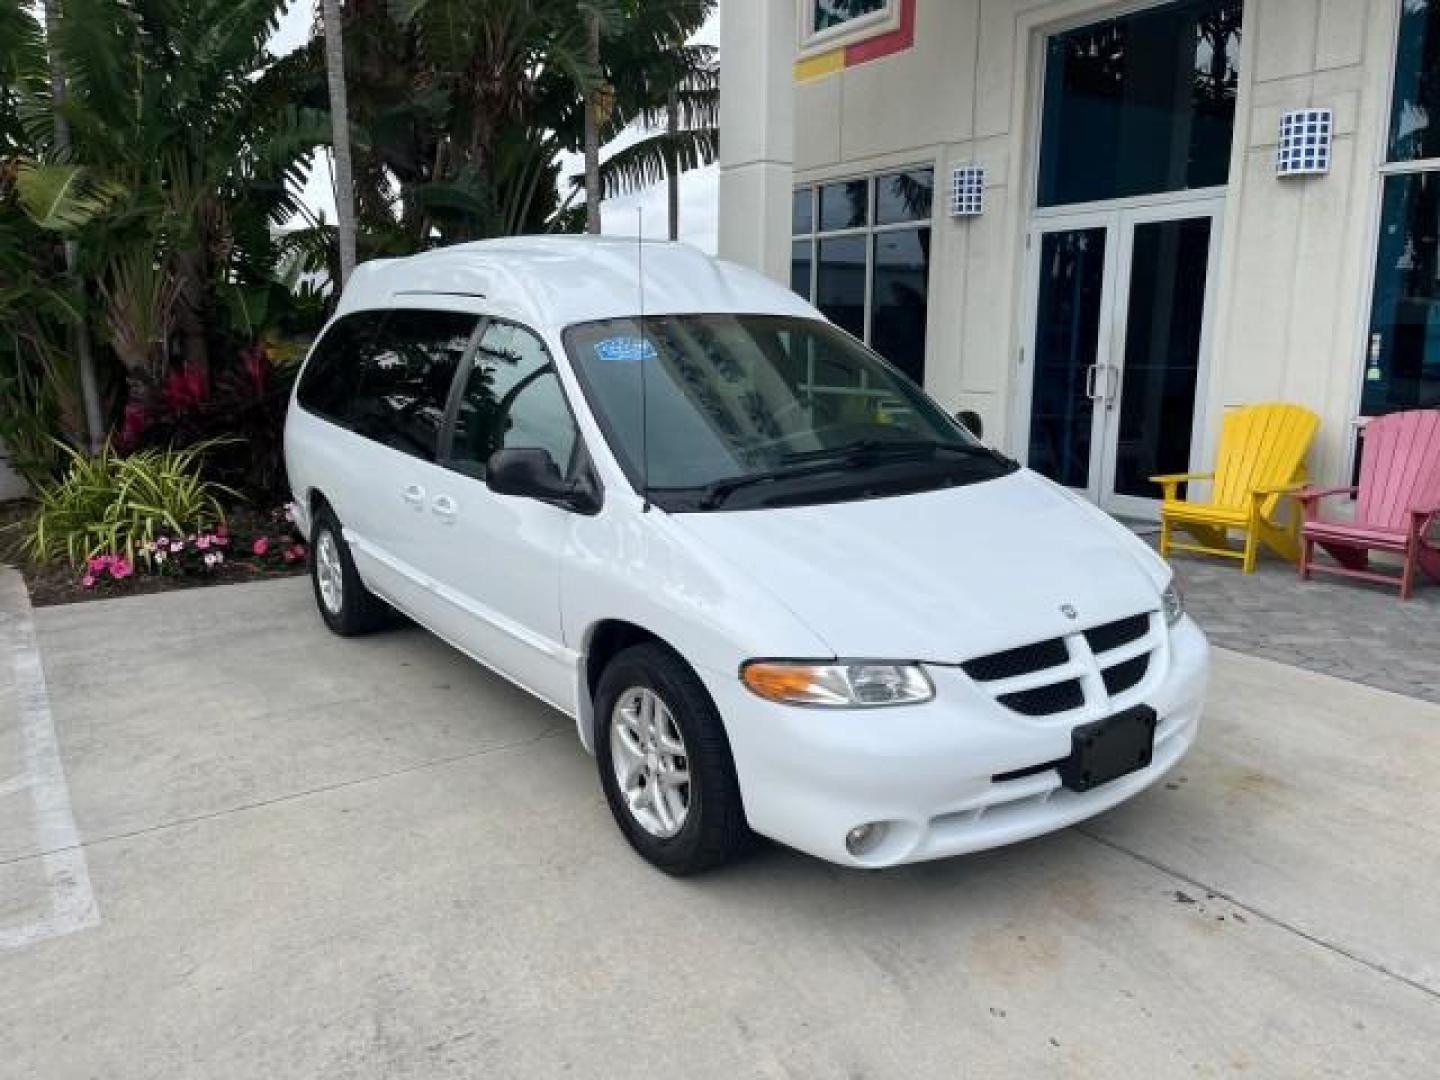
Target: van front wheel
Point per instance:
(665, 763)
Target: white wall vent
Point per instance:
(1305, 138)
(967, 191)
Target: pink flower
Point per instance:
(98, 563)
(202, 542)
(217, 556)
(120, 568)
(261, 546)
(220, 539)
(88, 581)
(163, 542)
(294, 553)
(211, 560)
(160, 556)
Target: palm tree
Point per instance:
(596, 102)
(340, 138)
(84, 354)
(668, 87)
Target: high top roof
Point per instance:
(557, 281)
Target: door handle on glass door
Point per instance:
(413, 494)
(445, 508)
(1113, 376)
(1090, 373)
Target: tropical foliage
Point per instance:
(121, 504)
(159, 271)
(461, 109)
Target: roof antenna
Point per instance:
(641, 355)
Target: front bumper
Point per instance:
(809, 776)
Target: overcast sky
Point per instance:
(698, 189)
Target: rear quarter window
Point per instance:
(406, 379)
(387, 375)
(330, 383)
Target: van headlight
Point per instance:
(850, 684)
(1172, 604)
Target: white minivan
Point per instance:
(779, 589)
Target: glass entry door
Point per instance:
(1118, 343)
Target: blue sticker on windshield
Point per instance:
(625, 348)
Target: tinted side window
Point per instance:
(332, 375)
(407, 376)
(512, 398)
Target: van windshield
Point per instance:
(763, 410)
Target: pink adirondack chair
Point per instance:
(1398, 501)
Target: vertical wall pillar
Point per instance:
(757, 133)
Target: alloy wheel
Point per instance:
(651, 765)
(329, 573)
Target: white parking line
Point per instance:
(67, 875)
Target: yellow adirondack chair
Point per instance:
(1261, 460)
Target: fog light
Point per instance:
(864, 839)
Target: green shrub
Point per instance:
(115, 504)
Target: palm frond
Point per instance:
(647, 162)
(63, 197)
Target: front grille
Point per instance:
(1126, 676)
(1057, 676)
(1021, 661)
(1046, 700)
(1113, 635)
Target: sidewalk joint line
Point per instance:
(1262, 914)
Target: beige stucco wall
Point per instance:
(1295, 265)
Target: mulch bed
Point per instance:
(59, 583)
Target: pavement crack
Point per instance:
(1263, 915)
(292, 796)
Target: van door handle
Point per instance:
(445, 508)
(413, 494)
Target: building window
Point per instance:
(1402, 361)
(828, 14)
(861, 254)
(1140, 104)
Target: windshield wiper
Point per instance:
(716, 493)
(867, 450)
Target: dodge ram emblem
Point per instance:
(1068, 610)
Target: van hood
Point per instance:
(941, 576)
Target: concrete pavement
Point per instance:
(314, 857)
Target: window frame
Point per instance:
(1045, 29)
(581, 463)
(1385, 170)
(812, 42)
(869, 232)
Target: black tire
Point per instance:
(714, 830)
(359, 611)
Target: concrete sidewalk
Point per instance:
(315, 857)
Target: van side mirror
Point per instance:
(531, 473)
(971, 422)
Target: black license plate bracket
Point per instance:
(1105, 750)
